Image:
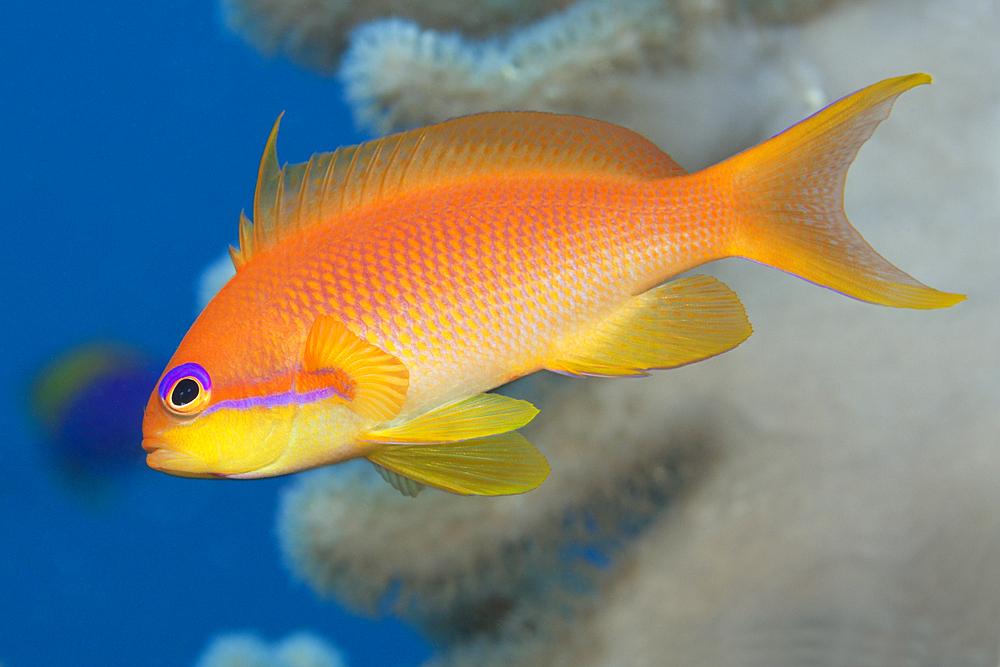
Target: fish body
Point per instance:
(383, 288)
(470, 288)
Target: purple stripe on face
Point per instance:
(277, 400)
(184, 370)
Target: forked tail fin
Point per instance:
(791, 210)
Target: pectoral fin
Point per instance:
(676, 323)
(475, 417)
(370, 381)
(498, 465)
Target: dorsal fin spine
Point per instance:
(370, 167)
(268, 172)
(326, 183)
(414, 151)
(237, 260)
(268, 232)
(393, 156)
(300, 202)
(342, 204)
(240, 256)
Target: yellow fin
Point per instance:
(793, 214)
(676, 323)
(489, 144)
(371, 381)
(498, 465)
(474, 417)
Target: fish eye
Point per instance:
(185, 389)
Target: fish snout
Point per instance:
(152, 444)
(161, 457)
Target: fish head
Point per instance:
(191, 429)
(247, 403)
(227, 405)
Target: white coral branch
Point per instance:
(397, 74)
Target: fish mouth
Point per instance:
(161, 457)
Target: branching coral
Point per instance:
(313, 32)
(397, 73)
(608, 59)
(418, 63)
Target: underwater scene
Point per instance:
(535, 326)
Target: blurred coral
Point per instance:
(397, 73)
(313, 32)
(597, 58)
(826, 495)
(411, 63)
(247, 650)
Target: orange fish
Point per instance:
(383, 288)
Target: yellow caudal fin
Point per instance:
(498, 465)
(790, 213)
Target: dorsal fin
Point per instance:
(293, 197)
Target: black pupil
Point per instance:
(184, 392)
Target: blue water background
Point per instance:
(133, 133)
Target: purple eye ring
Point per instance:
(185, 389)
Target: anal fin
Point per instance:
(497, 465)
(673, 324)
